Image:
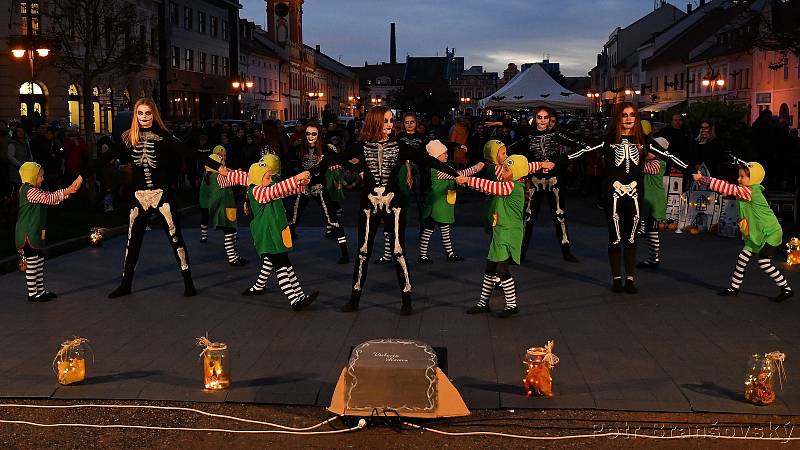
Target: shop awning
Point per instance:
(661, 106)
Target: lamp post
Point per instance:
(313, 96)
(593, 97)
(713, 80)
(34, 48)
(464, 100)
(242, 86)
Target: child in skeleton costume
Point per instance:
(31, 225)
(272, 236)
(654, 206)
(507, 231)
(310, 152)
(222, 211)
(624, 150)
(381, 159)
(440, 205)
(760, 228)
(411, 181)
(156, 156)
(205, 188)
(544, 144)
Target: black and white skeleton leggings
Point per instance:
(204, 219)
(287, 280)
(622, 217)
(541, 189)
(764, 263)
(497, 274)
(34, 273)
(144, 204)
(328, 210)
(653, 240)
(369, 220)
(425, 238)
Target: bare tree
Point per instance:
(97, 41)
(779, 26)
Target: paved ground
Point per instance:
(674, 347)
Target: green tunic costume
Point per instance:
(508, 225)
(655, 197)
(441, 200)
(221, 205)
(31, 221)
(269, 227)
(764, 227)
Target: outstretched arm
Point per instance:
(286, 188)
(569, 139)
(725, 188)
(234, 178)
(585, 150)
(652, 167)
(424, 159)
(464, 173)
(191, 153)
(655, 147)
(331, 158)
(500, 188)
(36, 195)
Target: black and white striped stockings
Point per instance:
(765, 264)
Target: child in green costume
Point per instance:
(31, 225)
(205, 188)
(440, 204)
(222, 210)
(507, 228)
(760, 228)
(654, 207)
(269, 227)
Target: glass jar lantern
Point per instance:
(96, 237)
(762, 370)
(216, 365)
(70, 362)
(793, 251)
(539, 362)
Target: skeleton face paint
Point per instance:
(312, 134)
(388, 124)
(542, 120)
(628, 120)
(410, 124)
(144, 115)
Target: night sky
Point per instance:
(491, 33)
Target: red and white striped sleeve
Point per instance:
(498, 171)
(36, 195)
(534, 167)
(723, 187)
(287, 187)
(464, 173)
(652, 167)
(234, 178)
(501, 188)
(334, 167)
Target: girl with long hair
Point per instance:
(380, 158)
(310, 152)
(624, 149)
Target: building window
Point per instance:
(29, 18)
(188, 59)
(173, 13)
(224, 30)
(786, 69)
(746, 84)
(188, 18)
(176, 57)
(225, 66)
(215, 64)
(202, 57)
(214, 25)
(201, 22)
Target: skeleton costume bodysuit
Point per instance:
(546, 146)
(623, 192)
(155, 159)
(318, 191)
(381, 162)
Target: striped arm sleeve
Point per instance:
(501, 188)
(725, 188)
(287, 187)
(652, 167)
(334, 168)
(36, 195)
(498, 171)
(534, 167)
(234, 178)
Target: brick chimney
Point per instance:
(392, 45)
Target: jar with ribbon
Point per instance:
(216, 364)
(96, 237)
(762, 370)
(539, 363)
(69, 364)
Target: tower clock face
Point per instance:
(282, 9)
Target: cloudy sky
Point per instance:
(491, 33)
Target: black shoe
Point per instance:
(123, 290)
(188, 284)
(383, 260)
(616, 285)
(569, 257)
(189, 291)
(630, 288)
(424, 260)
(252, 291)
(240, 262)
(648, 265)
(478, 309)
(508, 312)
(50, 295)
(204, 240)
(786, 294)
(352, 304)
(728, 292)
(406, 309)
(344, 259)
(454, 258)
(40, 298)
(307, 300)
(329, 234)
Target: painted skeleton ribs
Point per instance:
(144, 155)
(381, 160)
(626, 152)
(544, 147)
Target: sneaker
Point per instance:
(424, 260)
(630, 288)
(616, 285)
(508, 312)
(307, 300)
(253, 291)
(728, 292)
(786, 294)
(454, 258)
(478, 309)
(648, 265)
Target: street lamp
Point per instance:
(19, 52)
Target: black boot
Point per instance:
(786, 294)
(352, 304)
(728, 292)
(630, 288)
(567, 254)
(124, 287)
(406, 309)
(188, 285)
(345, 258)
(616, 285)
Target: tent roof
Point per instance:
(534, 87)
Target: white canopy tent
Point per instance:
(534, 87)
